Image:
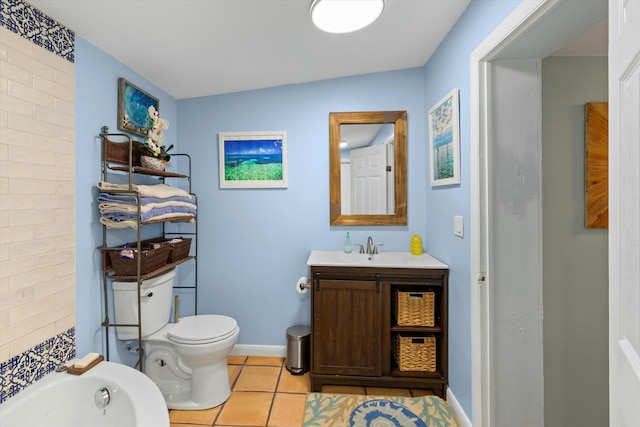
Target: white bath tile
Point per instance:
(30, 94)
(65, 296)
(63, 215)
(4, 219)
(56, 62)
(4, 148)
(53, 315)
(54, 258)
(66, 107)
(53, 286)
(31, 217)
(27, 124)
(16, 105)
(56, 229)
(66, 77)
(52, 144)
(30, 186)
(3, 46)
(33, 248)
(14, 267)
(16, 169)
(16, 202)
(16, 41)
(29, 155)
(65, 189)
(30, 64)
(29, 279)
(54, 173)
(4, 183)
(66, 161)
(50, 115)
(4, 285)
(16, 331)
(4, 115)
(18, 138)
(5, 354)
(46, 85)
(64, 132)
(31, 310)
(36, 337)
(67, 242)
(16, 234)
(66, 322)
(16, 74)
(66, 269)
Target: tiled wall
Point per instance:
(37, 195)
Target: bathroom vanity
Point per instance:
(356, 336)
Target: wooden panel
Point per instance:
(597, 165)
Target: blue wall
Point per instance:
(253, 244)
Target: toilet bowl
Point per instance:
(187, 360)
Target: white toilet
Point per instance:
(187, 360)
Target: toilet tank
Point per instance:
(155, 303)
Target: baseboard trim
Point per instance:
(455, 405)
(259, 350)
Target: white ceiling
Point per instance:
(191, 48)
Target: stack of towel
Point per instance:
(157, 202)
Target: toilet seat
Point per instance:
(202, 329)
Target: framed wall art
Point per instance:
(253, 159)
(444, 140)
(133, 107)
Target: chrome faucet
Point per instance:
(370, 246)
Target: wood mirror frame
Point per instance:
(399, 120)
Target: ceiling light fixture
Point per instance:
(345, 16)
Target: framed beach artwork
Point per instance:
(444, 140)
(253, 159)
(133, 107)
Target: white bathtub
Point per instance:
(65, 400)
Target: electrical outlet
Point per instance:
(458, 226)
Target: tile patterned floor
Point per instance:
(265, 394)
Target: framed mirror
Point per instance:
(368, 168)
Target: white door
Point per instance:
(624, 213)
(345, 188)
(369, 180)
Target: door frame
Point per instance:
(533, 30)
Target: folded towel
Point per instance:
(119, 215)
(106, 207)
(156, 190)
(180, 217)
(133, 200)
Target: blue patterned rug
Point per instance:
(348, 410)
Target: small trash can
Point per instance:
(298, 349)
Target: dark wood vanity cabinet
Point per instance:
(353, 327)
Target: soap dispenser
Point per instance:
(348, 246)
(416, 244)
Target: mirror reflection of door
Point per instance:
(367, 178)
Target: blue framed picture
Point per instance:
(444, 140)
(253, 159)
(133, 107)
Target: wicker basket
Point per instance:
(414, 308)
(178, 250)
(415, 353)
(150, 259)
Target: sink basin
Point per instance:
(383, 259)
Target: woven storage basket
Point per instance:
(178, 250)
(150, 259)
(414, 308)
(415, 353)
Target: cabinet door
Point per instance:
(347, 327)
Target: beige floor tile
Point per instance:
(257, 378)
(246, 409)
(265, 361)
(293, 383)
(287, 410)
(384, 391)
(185, 425)
(236, 360)
(234, 371)
(204, 417)
(342, 389)
(416, 392)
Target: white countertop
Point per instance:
(381, 260)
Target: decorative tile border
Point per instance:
(22, 18)
(22, 370)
